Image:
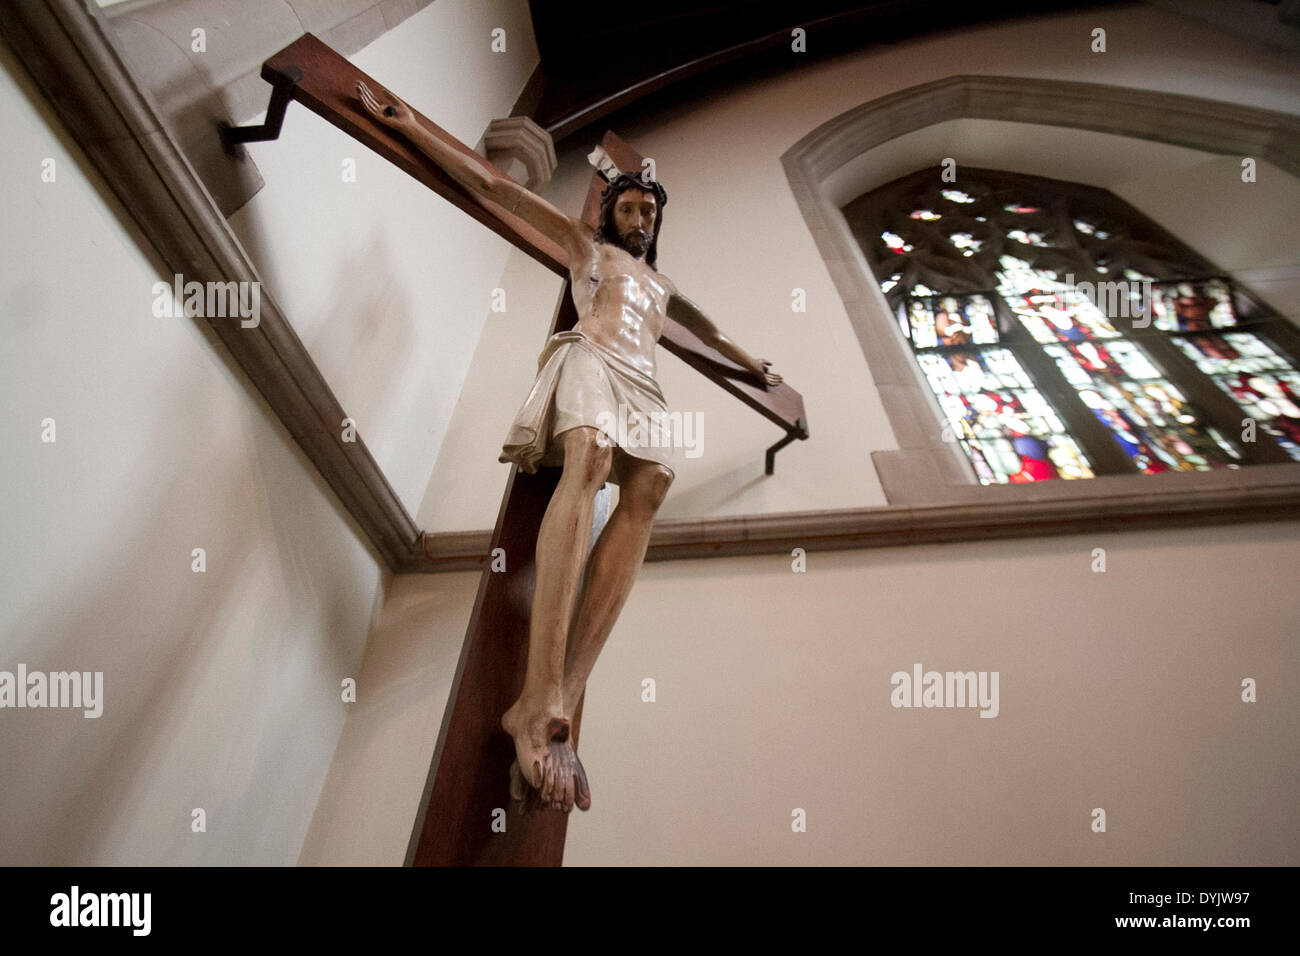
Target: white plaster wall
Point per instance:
(386, 283)
(735, 242)
(371, 797)
(222, 689)
(1119, 690)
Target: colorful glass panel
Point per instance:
(1155, 424)
(1050, 310)
(1009, 431)
(949, 320)
(1088, 229)
(1192, 306)
(1060, 316)
(895, 242)
(1028, 238)
(1263, 384)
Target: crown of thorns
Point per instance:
(625, 181)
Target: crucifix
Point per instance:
(513, 716)
(591, 378)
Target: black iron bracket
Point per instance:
(800, 431)
(282, 84)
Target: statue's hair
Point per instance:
(606, 231)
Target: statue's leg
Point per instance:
(612, 568)
(544, 755)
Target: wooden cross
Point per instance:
(468, 777)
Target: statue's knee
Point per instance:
(590, 454)
(652, 486)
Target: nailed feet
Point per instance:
(543, 746)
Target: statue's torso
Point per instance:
(621, 303)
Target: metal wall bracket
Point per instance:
(800, 431)
(282, 84)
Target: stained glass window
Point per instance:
(1064, 335)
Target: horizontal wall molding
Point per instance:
(1108, 504)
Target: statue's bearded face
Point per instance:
(634, 218)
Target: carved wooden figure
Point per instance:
(593, 381)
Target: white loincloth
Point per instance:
(579, 382)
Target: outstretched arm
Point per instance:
(687, 314)
(570, 233)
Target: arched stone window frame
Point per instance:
(925, 470)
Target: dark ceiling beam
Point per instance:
(592, 66)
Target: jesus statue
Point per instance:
(600, 373)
